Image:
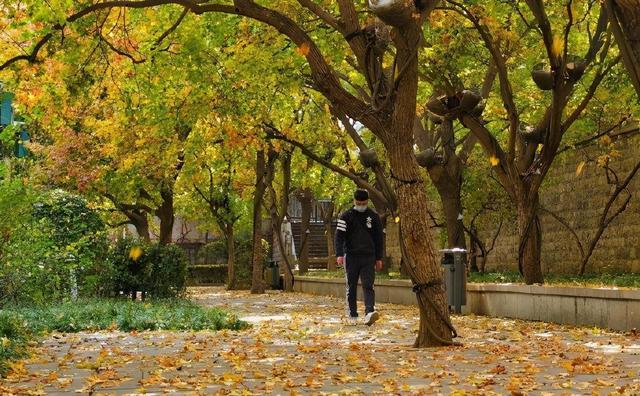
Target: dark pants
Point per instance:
(362, 267)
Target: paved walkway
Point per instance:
(298, 345)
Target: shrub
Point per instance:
(52, 244)
(168, 275)
(136, 265)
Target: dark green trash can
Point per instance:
(455, 277)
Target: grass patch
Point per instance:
(19, 324)
(629, 280)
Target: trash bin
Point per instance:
(275, 274)
(455, 277)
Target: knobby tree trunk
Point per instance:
(231, 256)
(257, 259)
(416, 238)
(530, 239)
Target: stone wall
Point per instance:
(580, 199)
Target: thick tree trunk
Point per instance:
(424, 268)
(435, 328)
(231, 257)
(141, 224)
(449, 192)
(257, 281)
(305, 197)
(166, 215)
(530, 240)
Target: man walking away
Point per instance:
(359, 241)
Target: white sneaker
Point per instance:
(371, 318)
(352, 321)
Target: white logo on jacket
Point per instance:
(369, 219)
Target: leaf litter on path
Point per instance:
(298, 344)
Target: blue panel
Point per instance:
(21, 150)
(6, 110)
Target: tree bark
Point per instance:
(257, 281)
(231, 256)
(305, 197)
(530, 239)
(327, 219)
(449, 188)
(625, 24)
(141, 223)
(165, 213)
(423, 266)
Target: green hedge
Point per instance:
(136, 265)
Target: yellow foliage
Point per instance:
(557, 46)
(303, 49)
(495, 161)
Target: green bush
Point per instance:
(168, 275)
(52, 244)
(136, 265)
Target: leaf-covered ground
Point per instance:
(298, 345)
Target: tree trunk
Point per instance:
(530, 240)
(435, 328)
(231, 257)
(257, 281)
(449, 192)
(305, 197)
(423, 267)
(625, 24)
(327, 219)
(473, 251)
(166, 215)
(141, 224)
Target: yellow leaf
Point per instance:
(303, 49)
(494, 160)
(397, 219)
(580, 168)
(557, 46)
(135, 253)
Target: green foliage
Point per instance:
(125, 315)
(13, 339)
(52, 244)
(168, 271)
(136, 265)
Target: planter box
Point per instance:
(611, 308)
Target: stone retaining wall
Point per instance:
(615, 309)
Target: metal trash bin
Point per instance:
(455, 277)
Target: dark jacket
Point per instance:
(359, 234)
